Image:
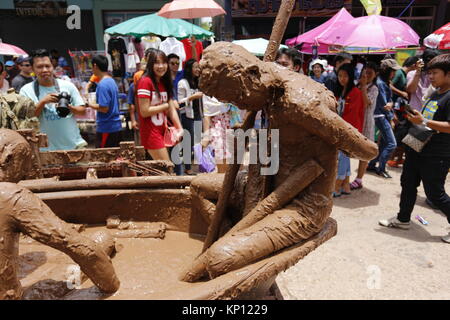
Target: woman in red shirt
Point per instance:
(155, 104)
(351, 109)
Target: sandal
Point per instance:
(356, 185)
(345, 193)
(336, 194)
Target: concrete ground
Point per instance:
(368, 261)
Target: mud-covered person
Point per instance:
(62, 132)
(109, 125)
(431, 165)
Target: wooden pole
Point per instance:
(278, 30)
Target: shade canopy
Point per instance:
(154, 24)
(373, 31)
(439, 39)
(255, 46)
(11, 50)
(191, 9)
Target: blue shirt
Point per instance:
(131, 95)
(62, 133)
(178, 77)
(321, 79)
(108, 96)
(384, 97)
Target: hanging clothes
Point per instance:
(193, 52)
(172, 45)
(117, 49)
(132, 57)
(106, 38)
(150, 42)
(139, 47)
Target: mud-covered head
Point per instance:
(15, 156)
(232, 74)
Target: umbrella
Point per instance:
(191, 9)
(372, 31)
(255, 46)
(439, 39)
(10, 50)
(313, 35)
(154, 24)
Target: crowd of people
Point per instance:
(380, 98)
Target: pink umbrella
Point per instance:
(312, 36)
(10, 50)
(373, 31)
(190, 9)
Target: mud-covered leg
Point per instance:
(279, 230)
(22, 211)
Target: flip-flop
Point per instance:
(356, 185)
(345, 193)
(336, 195)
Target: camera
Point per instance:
(63, 104)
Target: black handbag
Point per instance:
(418, 137)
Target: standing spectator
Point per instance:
(217, 122)
(383, 115)
(342, 58)
(369, 89)
(92, 84)
(317, 70)
(61, 61)
(191, 107)
(62, 131)
(4, 85)
(175, 75)
(400, 98)
(289, 58)
(24, 76)
(432, 164)
(418, 81)
(156, 104)
(109, 125)
(351, 109)
(12, 70)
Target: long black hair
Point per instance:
(372, 65)
(2, 68)
(191, 79)
(350, 70)
(166, 80)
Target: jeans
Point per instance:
(432, 171)
(189, 125)
(343, 166)
(387, 144)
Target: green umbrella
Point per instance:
(152, 23)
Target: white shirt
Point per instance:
(172, 45)
(150, 42)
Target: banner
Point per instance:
(39, 8)
(302, 8)
(372, 6)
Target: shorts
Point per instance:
(343, 166)
(108, 139)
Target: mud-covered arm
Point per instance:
(317, 119)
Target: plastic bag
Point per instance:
(204, 158)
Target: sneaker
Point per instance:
(394, 223)
(384, 174)
(446, 238)
(392, 164)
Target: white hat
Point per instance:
(323, 63)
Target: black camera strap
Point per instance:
(37, 91)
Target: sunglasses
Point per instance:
(175, 63)
(26, 65)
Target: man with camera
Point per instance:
(56, 102)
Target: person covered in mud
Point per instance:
(156, 105)
(310, 134)
(60, 127)
(23, 211)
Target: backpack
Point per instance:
(17, 112)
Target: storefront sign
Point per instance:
(303, 8)
(39, 8)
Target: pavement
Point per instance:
(367, 261)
